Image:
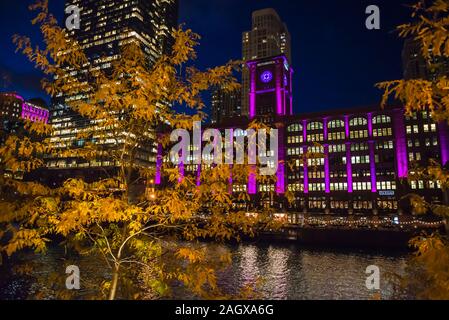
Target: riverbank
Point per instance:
(395, 239)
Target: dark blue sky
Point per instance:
(336, 59)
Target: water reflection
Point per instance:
(292, 272)
(289, 272)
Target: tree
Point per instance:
(429, 277)
(146, 240)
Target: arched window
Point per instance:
(336, 124)
(356, 122)
(382, 119)
(315, 126)
(296, 127)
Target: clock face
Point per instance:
(266, 76)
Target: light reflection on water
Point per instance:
(288, 272)
(296, 273)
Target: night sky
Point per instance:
(336, 59)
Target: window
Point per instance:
(386, 185)
(295, 128)
(343, 186)
(336, 124)
(294, 151)
(315, 126)
(384, 145)
(381, 119)
(361, 186)
(315, 162)
(295, 139)
(336, 136)
(295, 187)
(266, 188)
(356, 122)
(382, 132)
(359, 147)
(315, 137)
(359, 134)
(316, 175)
(360, 159)
(317, 187)
(433, 127)
(414, 156)
(337, 148)
(416, 129)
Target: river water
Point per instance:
(289, 272)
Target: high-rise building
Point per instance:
(105, 27)
(268, 37)
(415, 66)
(14, 111)
(226, 104)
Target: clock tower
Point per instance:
(270, 99)
(270, 92)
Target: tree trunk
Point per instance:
(114, 284)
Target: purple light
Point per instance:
(198, 176)
(326, 120)
(444, 142)
(370, 124)
(252, 183)
(265, 91)
(266, 76)
(306, 173)
(231, 182)
(347, 130)
(327, 178)
(158, 177)
(372, 163)
(280, 183)
(252, 94)
(231, 167)
(349, 167)
(291, 104)
(401, 144)
(304, 130)
(181, 172)
(34, 113)
(280, 102)
(291, 95)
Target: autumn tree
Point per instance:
(146, 240)
(429, 275)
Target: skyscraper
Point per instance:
(105, 27)
(416, 66)
(268, 37)
(226, 104)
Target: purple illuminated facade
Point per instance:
(366, 151)
(443, 130)
(14, 107)
(159, 162)
(401, 144)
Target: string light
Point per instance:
(365, 222)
